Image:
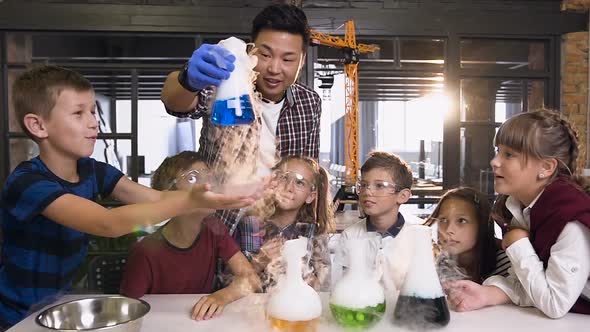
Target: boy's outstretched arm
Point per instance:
(245, 282)
(131, 192)
(89, 217)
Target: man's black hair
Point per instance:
(282, 17)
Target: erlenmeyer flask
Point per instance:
(421, 302)
(233, 103)
(294, 306)
(358, 299)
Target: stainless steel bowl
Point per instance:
(105, 313)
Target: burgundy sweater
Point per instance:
(561, 202)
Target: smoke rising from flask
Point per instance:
(421, 303)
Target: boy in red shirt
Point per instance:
(181, 257)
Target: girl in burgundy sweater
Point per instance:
(548, 241)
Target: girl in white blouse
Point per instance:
(549, 238)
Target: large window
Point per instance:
(403, 131)
(417, 93)
(499, 78)
(399, 86)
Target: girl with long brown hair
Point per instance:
(466, 235)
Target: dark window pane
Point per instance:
(427, 54)
(83, 47)
(494, 100)
(13, 121)
(385, 50)
(18, 47)
(518, 55)
(485, 104)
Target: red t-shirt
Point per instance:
(155, 266)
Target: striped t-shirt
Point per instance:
(40, 256)
(502, 264)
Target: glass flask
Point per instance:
(421, 303)
(233, 102)
(358, 299)
(294, 306)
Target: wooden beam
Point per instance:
(466, 19)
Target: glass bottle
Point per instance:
(233, 103)
(421, 303)
(358, 299)
(293, 305)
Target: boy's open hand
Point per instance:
(202, 197)
(208, 307)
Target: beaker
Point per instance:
(233, 102)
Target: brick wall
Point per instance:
(575, 5)
(574, 85)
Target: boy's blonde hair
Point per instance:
(166, 173)
(400, 171)
(36, 91)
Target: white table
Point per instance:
(170, 313)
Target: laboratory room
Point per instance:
(294, 165)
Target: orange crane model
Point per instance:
(351, 59)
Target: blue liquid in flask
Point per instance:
(224, 111)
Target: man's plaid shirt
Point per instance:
(298, 131)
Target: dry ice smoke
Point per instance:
(421, 303)
(293, 299)
(233, 151)
(448, 269)
(315, 268)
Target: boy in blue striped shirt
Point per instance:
(47, 204)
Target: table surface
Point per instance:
(171, 313)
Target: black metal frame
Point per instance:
(451, 131)
(4, 145)
(455, 73)
(489, 17)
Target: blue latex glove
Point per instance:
(209, 65)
